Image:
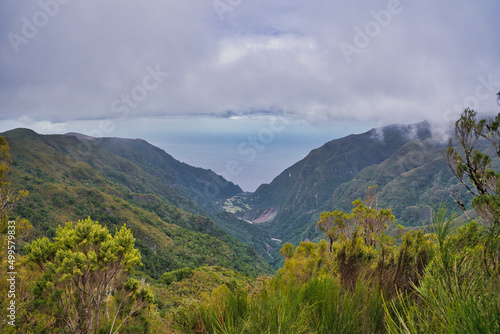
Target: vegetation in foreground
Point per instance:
(369, 277)
(441, 282)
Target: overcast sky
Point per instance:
(71, 65)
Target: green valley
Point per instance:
(72, 178)
(155, 245)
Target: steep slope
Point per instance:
(205, 187)
(147, 162)
(143, 167)
(412, 181)
(71, 178)
(136, 166)
(305, 188)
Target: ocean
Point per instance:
(246, 152)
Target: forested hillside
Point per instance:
(115, 235)
(71, 178)
(404, 161)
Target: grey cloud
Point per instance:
(281, 56)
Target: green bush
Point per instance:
(457, 293)
(176, 275)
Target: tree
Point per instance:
(360, 233)
(473, 168)
(330, 223)
(306, 261)
(369, 221)
(86, 273)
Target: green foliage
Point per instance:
(178, 302)
(353, 255)
(68, 184)
(410, 174)
(365, 249)
(456, 294)
(176, 275)
(306, 261)
(363, 279)
(9, 198)
(345, 288)
(365, 220)
(431, 283)
(250, 234)
(280, 305)
(473, 168)
(85, 276)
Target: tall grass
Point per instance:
(337, 310)
(446, 282)
(456, 294)
(447, 309)
(321, 305)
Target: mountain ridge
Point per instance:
(333, 175)
(402, 160)
(71, 179)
